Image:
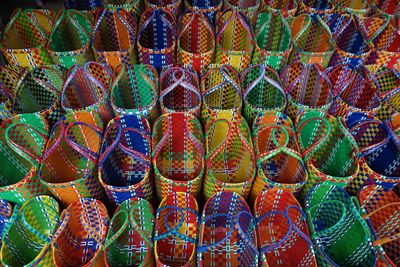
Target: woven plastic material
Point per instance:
(129, 239)
(27, 236)
(273, 40)
(178, 155)
(341, 237)
(312, 40)
(247, 8)
(235, 242)
(359, 8)
(69, 42)
(316, 7)
(22, 141)
(287, 8)
(87, 88)
(134, 6)
(234, 40)
(221, 91)
(114, 37)
(279, 161)
(82, 232)
(208, 8)
(180, 91)
(307, 88)
(388, 7)
(354, 90)
(172, 6)
(75, 141)
(329, 150)
(262, 91)
(196, 42)
(230, 160)
(282, 230)
(381, 207)
(25, 37)
(10, 80)
(156, 41)
(175, 237)
(125, 160)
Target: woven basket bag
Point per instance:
(248, 8)
(10, 79)
(6, 211)
(359, 8)
(209, 8)
(387, 7)
(133, 6)
(316, 7)
(172, 6)
(287, 8)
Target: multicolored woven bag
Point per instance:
(227, 234)
(129, 240)
(359, 8)
(221, 91)
(234, 40)
(247, 8)
(25, 36)
(273, 39)
(262, 91)
(6, 211)
(312, 40)
(133, 6)
(156, 41)
(75, 141)
(381, 208)
(10, 79)
(175, 237)
(86, 90)
(341, 237)
(208, 8)
(22, 141)
(196, 43)
(282, 231)
(114, 37)
(178, 154)
(69, 42)
(287, 8)
(230, 160)
(388, 7)
(307, 88)
(354, 90)
(83, 229)
(180, 91)
(316, 7)
(125, 160)
(172, 6)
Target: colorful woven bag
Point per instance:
(196, 43)
(172, 6)
(25, 37)
(354, 90)
(389, 7)
(22, 141)
(208, 8)
(273, 39)
(125, 160)
(69, 42)
(247, 8)
(227, 235)
(156, 41)
(114, 37)
(75, 141)
(134, 6)
(10, 80)
(129, 239)
(180, 91)
(178, 154)
(85, 90)
(6, 210)
(340, 235)
(307, 88)
(175, 237)
(316, 7)
(230, 161)
(83, 229)
(381, 208)
(312, 40)
(221, 91)
(359, 8)
(262, 91)
(287, 8)
(282, 231)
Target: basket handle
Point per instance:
(147, 22)
(227, 79)
(262, 76)
(191, 18)
(279, 14)
(50, 149)
(386, 22)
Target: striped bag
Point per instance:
(316, 7)
(209, 8)
(248, 8)
(287, 8)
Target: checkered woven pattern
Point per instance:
(359, 8)
(272, 117)
(22, 140)
(172, 6)
(287, 8)
(227, 235)
(27, 237)
(125, 160)
(81, 234)
(273, 40)
(196, 42)
(340, 235)
(25, 36)
(178, 154)
(6, 210)
(156, 41)
(230, 160)
(393, 125)
(282, 231)
(248, 8)
(75, 141)
(10, 80)
(389, 7)
(307, 87)
(180, 91)
(312, 40)
(175, 237)
(208, 8)
(317, 7)
(129, 239)
(134, 6)
(262, 91)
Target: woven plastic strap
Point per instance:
(287, 8)
(207, 7)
